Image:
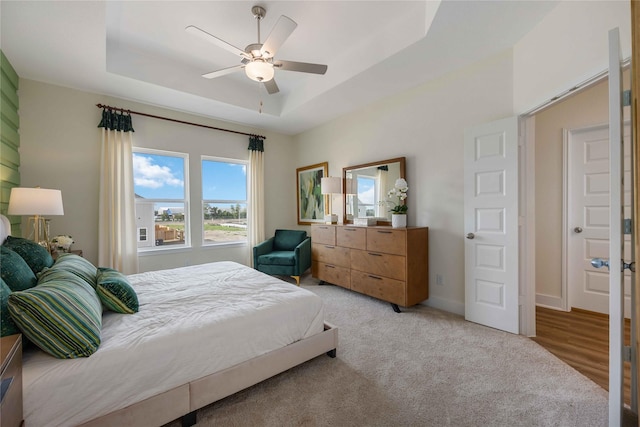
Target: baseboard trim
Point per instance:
(550, 301)
(451, 306)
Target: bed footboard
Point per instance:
(183, 401)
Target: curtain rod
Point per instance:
(122, 110)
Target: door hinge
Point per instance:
(626, 353)
(627, 226)
(626, 98)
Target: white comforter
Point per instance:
(193, 321)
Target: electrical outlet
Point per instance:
(439, 279)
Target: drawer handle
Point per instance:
(375, 277)
(349, 229)
(324, 228)
(330, 266)
(385, 232)
(372, 254)
(329, 247)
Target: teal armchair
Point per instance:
(287, 253)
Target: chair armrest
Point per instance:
(261, 249)
(303, 256)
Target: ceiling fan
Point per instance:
(258, 59)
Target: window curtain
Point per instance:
(117, 242)
(256, 192)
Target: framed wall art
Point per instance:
(311, 202)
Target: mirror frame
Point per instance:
(401, 160)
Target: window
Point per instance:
(224, 200)
(161, 186)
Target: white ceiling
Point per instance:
(138, 50)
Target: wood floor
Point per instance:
(581, 339)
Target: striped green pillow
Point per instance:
(62, 316)
(116, 292)
(77, 265)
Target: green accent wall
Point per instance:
(9, 137)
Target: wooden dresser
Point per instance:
(387, 263)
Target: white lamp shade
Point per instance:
(259, 71)
(35, 201)
(331, 185)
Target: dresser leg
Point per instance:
(395, 308)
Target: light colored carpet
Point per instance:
(423, 367)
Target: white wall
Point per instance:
(568, 47)
(424, 124)
(60, 148)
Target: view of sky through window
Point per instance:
(158, 176)
(224, 181)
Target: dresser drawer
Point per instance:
(330, 254)
(378, 287)
(387, 240)
(334, 274)
(325, 234)
(392, 266)
(351, 237)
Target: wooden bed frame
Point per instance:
(183, 401)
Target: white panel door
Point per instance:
(588, 218)
(616, 284)
(491, 224)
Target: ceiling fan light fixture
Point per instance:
(259, 71)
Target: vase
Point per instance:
(398, 220)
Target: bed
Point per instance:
(202, 333)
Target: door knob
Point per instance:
(599, 262)
(470, 236)
(578, 229)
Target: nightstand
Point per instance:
(11, 376)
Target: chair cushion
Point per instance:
(15, 271)
(36, 256)
(277, 258)
(287, 240)
(116, 292)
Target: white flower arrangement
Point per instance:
(62, 243)
(399, 191)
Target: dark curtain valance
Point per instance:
(116, 121)
(256, 143)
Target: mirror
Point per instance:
(366, 185)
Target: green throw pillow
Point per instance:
(77, 265)
(61, 316)
(15, 271)
(7, 325)
(36, 256)
(116, 292)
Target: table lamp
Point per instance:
(331, 185)
(36, 202)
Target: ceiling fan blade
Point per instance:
(218, 42)
(303, 67)
(271, 86)
(223, 72)
(282, 30)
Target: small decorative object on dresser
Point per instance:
(61, 243)
(382, 262)
(398, 220)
